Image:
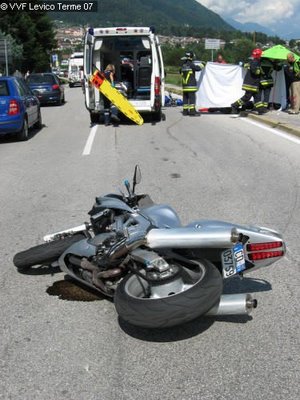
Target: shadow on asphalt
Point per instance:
(71, 290)
(246, 285)
(181, 332)
(40, 270)
(148, 119)
(12, 138)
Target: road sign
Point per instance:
(212, 44)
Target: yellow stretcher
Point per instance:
(103, 85)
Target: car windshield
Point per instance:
(3, 88)
(41, 79)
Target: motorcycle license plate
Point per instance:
(233, 261)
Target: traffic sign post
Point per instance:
(212, 44)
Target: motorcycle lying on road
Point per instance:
(159, 272)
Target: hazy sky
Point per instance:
(268, 13)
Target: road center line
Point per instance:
(89, 143)
(276, 132)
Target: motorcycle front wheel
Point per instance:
(44, 254)
(190, 295)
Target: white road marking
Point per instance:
(276, 132)
(89, 143)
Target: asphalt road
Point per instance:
(59, 342)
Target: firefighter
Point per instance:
(266, 81)
(189, 84)
(251, 84)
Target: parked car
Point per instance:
(55, 71)
(19, 108)
(47, 87)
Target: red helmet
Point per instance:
(256, 53)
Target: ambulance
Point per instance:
(136, 54)
(74, 69)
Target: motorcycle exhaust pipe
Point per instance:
(188, 237)
(233, 304)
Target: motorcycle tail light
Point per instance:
(264, 246)
(264, 255)
(263, 251)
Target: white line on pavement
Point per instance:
(89, 143)
(277, 132)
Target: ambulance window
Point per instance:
(98, 44)
(87, 59)
(146, 43)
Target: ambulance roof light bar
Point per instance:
(114, 31)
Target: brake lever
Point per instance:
(127, 185)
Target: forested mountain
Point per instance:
(166, 15)
(249, 27)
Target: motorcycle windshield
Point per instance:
(112, 203)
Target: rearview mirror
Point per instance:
(137, 177)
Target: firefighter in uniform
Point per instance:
(251, 84)
(189, 84)
(266, 80)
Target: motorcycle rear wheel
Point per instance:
(181, 302)
(44, 254)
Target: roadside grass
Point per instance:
(172, 76)
(173, 79)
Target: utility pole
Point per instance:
(6, 58)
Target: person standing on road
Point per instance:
(110, 111)
(293, 71)
(251, 84)
(266, 81)
(189, 84)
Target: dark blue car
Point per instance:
(19, 108)
(47, 87)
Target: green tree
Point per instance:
(234, 51)
(34, 31)
(172, 55)
(243, 49)
(10, 52)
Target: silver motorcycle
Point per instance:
(158, 272)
